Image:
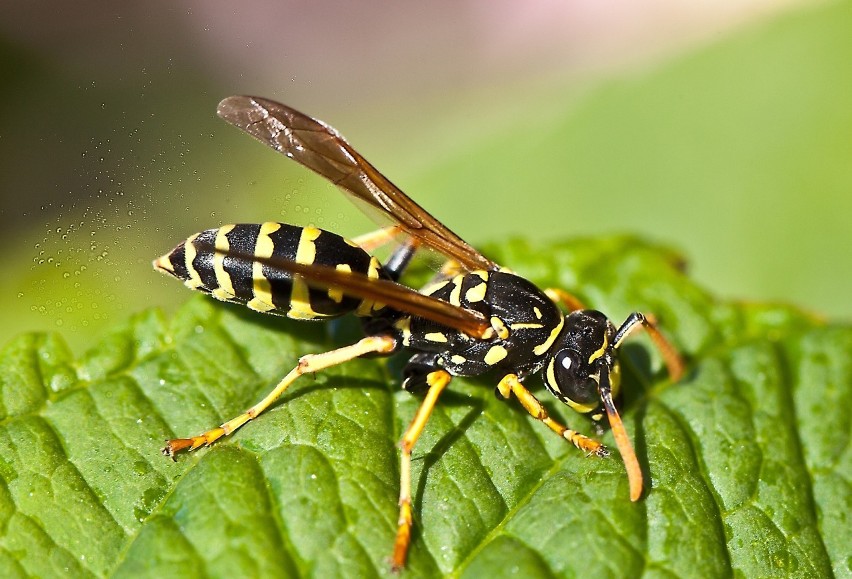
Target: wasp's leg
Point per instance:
(307, 364)
(560, 296)
(510, 384)
(376, 239)
(417, 370)
(400, 258)
(437, 381)
(670, 355)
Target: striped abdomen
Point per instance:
(238, 278)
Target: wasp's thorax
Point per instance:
(582, 352)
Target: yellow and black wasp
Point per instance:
(475, 317)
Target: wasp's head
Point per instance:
(583, 352)
(584, 374)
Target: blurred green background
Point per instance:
(723, 131)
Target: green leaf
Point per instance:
(747, 459)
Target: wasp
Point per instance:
(475, 317)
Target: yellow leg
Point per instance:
(375, 239)
(437, 381)
(560, 296)
(510, 384)
(307, 364)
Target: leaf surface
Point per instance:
(747, 459)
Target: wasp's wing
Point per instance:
(322, 149)
(397, 296)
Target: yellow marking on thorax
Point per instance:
(189, 254)
(336, 295)
(373, 268)
(404, 325)
(537, 312)
(434, 287)
(545, 346)
(525, 326)
(436, 337)
(456, 359)
(455, 295)
(499, 327)
(476, 293)
(225, 291)
(261, 288)
(495, 354)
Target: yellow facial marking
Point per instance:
(436, 337)
(615, 379)
(456, 359)
(600, 351)
(495, 354)
(550, 374)
(545, 346)
(551, 380)
(581, 408)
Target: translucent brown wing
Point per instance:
(322, 149)
(397, 296)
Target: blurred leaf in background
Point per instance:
(723, 130)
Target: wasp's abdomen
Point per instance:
(221, 262)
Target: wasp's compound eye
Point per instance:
(567, 376)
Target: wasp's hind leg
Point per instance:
(307, 364)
